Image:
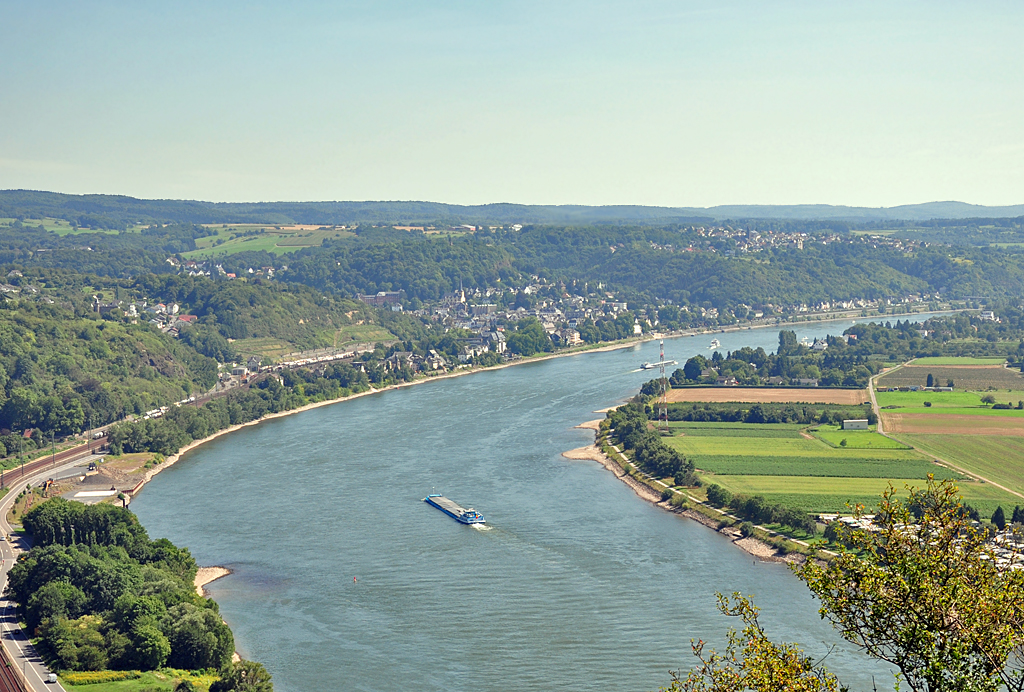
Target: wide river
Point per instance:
(345, 580)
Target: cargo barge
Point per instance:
(459, 514)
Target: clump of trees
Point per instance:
(804, 414)
(100, 594)
(759, 510)
(631, 424)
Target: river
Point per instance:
(344, 580)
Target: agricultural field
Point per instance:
(998, 458)
(232, 238)
(958, 360)
(755, 395)
(898, 423)
(792, 465)
(977, 378)
(817, 494)
(60, 226)
(834, 436)
(265, 347)
(950, 413)
(349, 335)
(949, 403)
(838, 495)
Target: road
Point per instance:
(15, 640)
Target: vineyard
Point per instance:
(977, 378)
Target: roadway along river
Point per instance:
(578, 584)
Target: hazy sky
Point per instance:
(642, 102)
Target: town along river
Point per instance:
(577, 585)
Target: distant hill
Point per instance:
(117, 211)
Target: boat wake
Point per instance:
(481, 527)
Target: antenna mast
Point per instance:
(663, 396)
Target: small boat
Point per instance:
(459, 514)
(715, 343)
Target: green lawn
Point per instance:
(998, 458)
(959, 360)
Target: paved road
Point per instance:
(14, 638)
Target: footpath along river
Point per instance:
(577, 585)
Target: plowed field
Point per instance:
(943, 424)
(758, 395)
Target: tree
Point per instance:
(998, 518)
(930, 381)
(694, 366)
(244, 676)
(751, 661)
(988, 399)
(1018, 515)
(922, 591)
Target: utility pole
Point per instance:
(663, 396)
(53, 450)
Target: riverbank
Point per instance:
(626, 343)
(752, 545)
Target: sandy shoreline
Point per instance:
(753, 546)
(206, 575)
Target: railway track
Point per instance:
(18, 473)
(10, 677)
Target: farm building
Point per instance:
(855, 424)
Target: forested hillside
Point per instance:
(62, 367)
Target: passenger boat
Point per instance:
(715, 343)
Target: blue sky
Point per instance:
(644, 102)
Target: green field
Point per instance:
(794, 446)
(833, 436)
(60, 226)
(277, 239)
(949, 403)
(852, 467)
(812, 472)
(998, 458)
(816, 494)
(958, 360)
